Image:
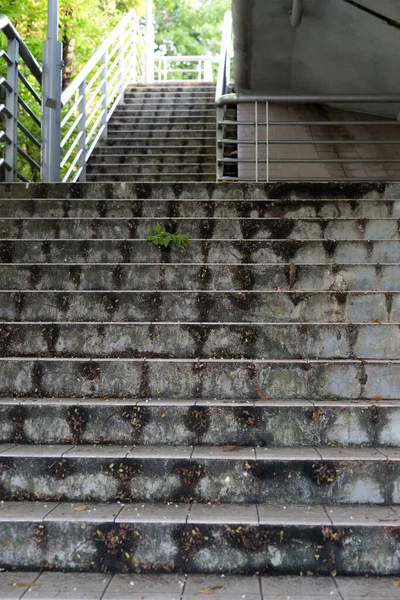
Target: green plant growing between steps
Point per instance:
(162, 237)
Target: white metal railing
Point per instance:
(20, 125)
(180, 68)
(254, 142)
(90, 100)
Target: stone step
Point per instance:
(138, 119)
(156, 176)
(199, 252)
(91, 586)
(229, 423)
(214, 227)
(199, 339)
(187, 131)
(181, 276)
(114, 141)
(165, 166)
(167, 305)
(202, 378)
(132, 205)
(248, 475)
(146, 153)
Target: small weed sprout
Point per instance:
(162, 237)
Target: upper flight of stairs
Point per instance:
(161, 132)
(229, 410)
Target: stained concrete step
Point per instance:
(90, 586)
(198, 138)
(164, 166)
(128, 119)
(156, 176)
(213, 227)
(147, 150)
(131, 204)
(164, 131)
(228, 424)
(167, 305)
(199, 252)
(200, 378)
(199, 339)
(249, 475)
(180, 276)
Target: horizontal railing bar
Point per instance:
(114, 78)
(94, 94)
(71, 149)
(12, 34)
(227, 141)
(114, 106)
(325, 179)
(4, 136)
(22, 177)
(4, 83)
(28, 158)
(28, 134)
(68, 93)
(94, 143)
(95, 77)
(4, 163)
(71, 110)
(93, 110)
(30, 112)
(3, 54)
(312, 160)
(111, 68)
(309, 123)
(112, 52)
(72, 167)
(77, 175)
(95, 125)
(4, 109)
(189, 58)
(71, 130)
(234, 99)
(30, 89)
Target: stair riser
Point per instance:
(132, 156)
(211, 549)
(200, 209)
(288, 426)
(207, 141)
(180, 380)
(301, 229)
(237, 481)
(157, 116)
(151, 166)
(230, 253)
(189, 277)
(165, 132)
(144, 111)
(204, 341)
(193, 306)
(156, 176)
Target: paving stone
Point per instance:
(25, 511)
(154, 513)
(224, 452)
(69, 586)
(98, 451)
(240, 514)
(373, 516)
(353, 588)
(221, 587)
(320, 588)
(287, 454)
(80, 511)
(14, 585)
(161, 452)
(292, 515)
(38, 451)
(124, 586)
(337, 453)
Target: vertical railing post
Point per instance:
(220, 143)
(82, 131)
(104, 76)
(12, 105)
(133, 46)
(165, 70)
(121, 65)
(267, 141)
(149, 42)
(51, 99)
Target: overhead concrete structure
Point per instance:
(318, 47)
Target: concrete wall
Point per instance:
(338, 48)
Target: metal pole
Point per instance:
(149, 42)
(51, 108)
(12, 107)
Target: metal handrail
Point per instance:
(203, 70)
(226, 52)
(21, 130)
(91, 98)
(297, 13)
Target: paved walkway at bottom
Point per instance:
(83, 586)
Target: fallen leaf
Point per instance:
(80, 508)
(396, 583)
(292, 274)
(377, 398)
(231, 448)
(377, 321)
(211, 590)
(263, 395)
(21, 584)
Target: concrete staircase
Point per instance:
(229, 410)
(161, 132)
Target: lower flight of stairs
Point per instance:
(229, 410)
(161, 132)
